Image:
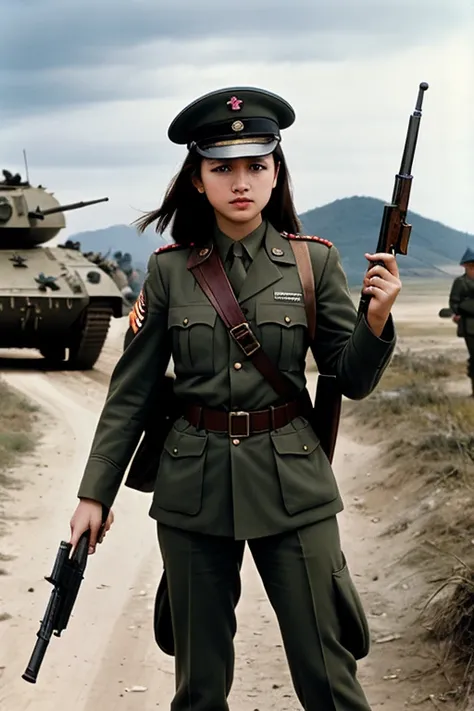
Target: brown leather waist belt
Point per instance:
(241, 424)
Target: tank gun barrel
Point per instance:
(39, 214)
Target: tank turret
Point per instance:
(52, 298)
(31, 216)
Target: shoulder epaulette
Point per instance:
(169, 247)
(309, 238)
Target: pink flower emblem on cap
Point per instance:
(235, 103)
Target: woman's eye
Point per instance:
(221, 169)
(257, 167)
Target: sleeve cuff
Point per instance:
(370, 347)
(101, 481)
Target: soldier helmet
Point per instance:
(468, 256)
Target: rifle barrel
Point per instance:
(412, 134)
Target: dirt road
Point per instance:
(107, 658)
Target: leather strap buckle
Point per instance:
(244, 337)
(239, 424)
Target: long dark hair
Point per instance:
(193, 215)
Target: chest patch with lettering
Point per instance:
(288, 297)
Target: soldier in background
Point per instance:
(461, 302)
(133, 278)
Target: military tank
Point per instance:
(52, 298)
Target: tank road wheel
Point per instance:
(90, 336)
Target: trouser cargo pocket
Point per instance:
(355, 633)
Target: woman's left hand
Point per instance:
(383, 284)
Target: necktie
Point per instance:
(237, 271)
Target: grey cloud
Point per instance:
(63, 52)
(82, 153)
(65, 32)
(38, 92)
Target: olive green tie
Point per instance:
(237, 272)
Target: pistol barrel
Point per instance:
(31, 672)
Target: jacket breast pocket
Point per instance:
(180, 476)
(306, 477)
(193, 338)
(283, 333)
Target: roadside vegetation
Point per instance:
(16, 425)
(423, 419)
(17, 437)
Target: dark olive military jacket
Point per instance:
(461, 302)
(269, 482)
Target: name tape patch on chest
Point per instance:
(289, 297)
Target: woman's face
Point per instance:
(238, 189)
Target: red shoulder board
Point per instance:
(169, 247)
(310, 238)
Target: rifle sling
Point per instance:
(211, 277)
(306, 274)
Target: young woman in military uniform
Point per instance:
(271, 486)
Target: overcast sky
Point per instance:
(89, 89)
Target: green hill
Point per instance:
(352, 224)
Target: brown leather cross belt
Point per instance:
(242, 424)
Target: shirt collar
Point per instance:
(252, 242)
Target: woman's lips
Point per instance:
(241, 202)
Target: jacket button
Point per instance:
(287, 319)
(237, 366)
(236, 442)
(185, 321)
(175, 450)
(305, 448)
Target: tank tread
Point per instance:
(95, 327)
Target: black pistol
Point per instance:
(394, 230)
(66, 578)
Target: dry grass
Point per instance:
(449, 615)
(427, 433)
(16, 426)
(428, 439)
(409, 368)
(17, 437)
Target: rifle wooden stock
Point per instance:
(325, 415)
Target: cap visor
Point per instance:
(238, 150)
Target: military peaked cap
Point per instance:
(238, 122)
(468, 256)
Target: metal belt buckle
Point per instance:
(232, 418)
(243, 336)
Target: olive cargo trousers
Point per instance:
(470, 361)
(307, 581)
